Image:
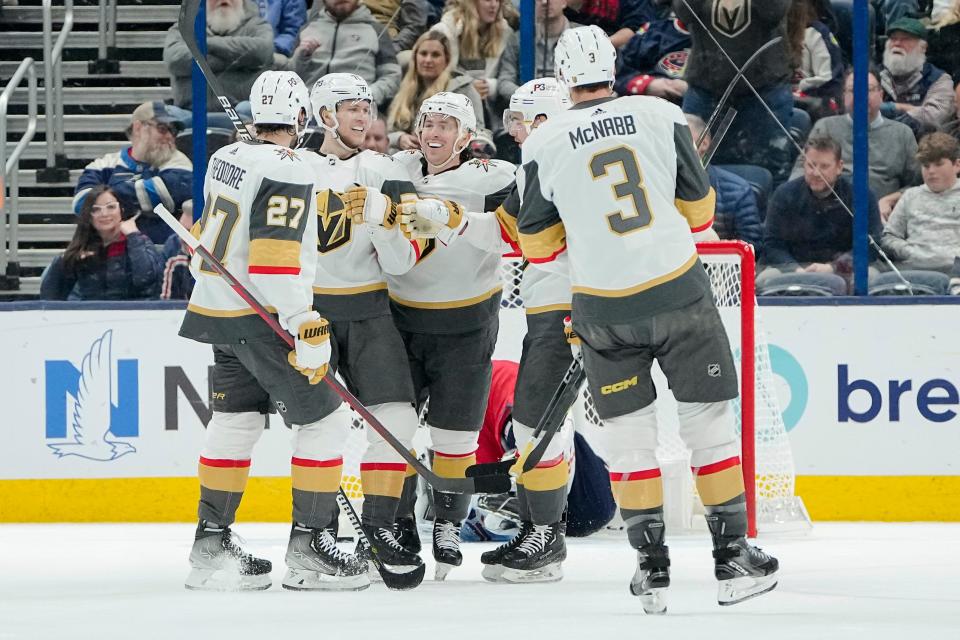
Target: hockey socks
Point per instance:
(544, 490)
(315, 485)
(222, 483)
(382, 486)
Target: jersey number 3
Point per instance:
(631, 188)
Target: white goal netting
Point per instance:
(774, 505)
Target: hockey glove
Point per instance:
(572, 338)
(367, 205)
(425, 219)
(311, 356)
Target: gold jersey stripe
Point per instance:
(318, 479)
(265, 252)
(507, 222)
(233, 479)
(638, 494)
(225, 313)
(698, 212)
(543, 245)
(649, 284)
(720, 487)
(347, 291)
(547, 479)
(453, 304)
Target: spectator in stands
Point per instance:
(893, 165)
(924, 231)
(344, 37)
(892, 10)
(286, 17)
(755, 138)
(654, 60)
(108, 257)
(405, 21)
(376, 138)
(914, 91)
(736, 214)
(550, 23)
(478, 34)
(808, 237)
(176, 281)
(429, 73)
(149, 172)
(239, 48)
(817, 60)
(620, 19)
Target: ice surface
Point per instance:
(872, 581)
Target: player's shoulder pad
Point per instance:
(493, 174)
(411, 161)
(381, 166)
(652, 105)
(283, 163)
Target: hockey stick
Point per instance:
(733, 83)
(550, 422)
(722, 130)
(483, 484)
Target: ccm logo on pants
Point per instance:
(617, 387)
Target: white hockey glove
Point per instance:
(311, 355)
(426, 219)
(955, 286)
(367, 205)
(572, 338)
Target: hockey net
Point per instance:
(766, 456)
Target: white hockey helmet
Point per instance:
(277, 98)
(454, 105)
(538, 97)
(584, 55)
(332, 89)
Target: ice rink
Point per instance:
(871, 581)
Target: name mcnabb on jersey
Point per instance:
(603, 128)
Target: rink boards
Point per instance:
(105, 408)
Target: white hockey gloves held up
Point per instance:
(572, 338)
(426, 219)
(311, 356)
(367, 205)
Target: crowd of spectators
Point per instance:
(782, 171)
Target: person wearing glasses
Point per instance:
(109, 258)
(148, 172)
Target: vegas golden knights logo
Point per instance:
(335, 227)
(731, 17)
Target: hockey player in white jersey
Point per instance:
(350, 290)
(446, 307)
(620, 209)
(260, 221)
(535, 554)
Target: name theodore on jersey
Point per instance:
(602, 128)
(227, 173)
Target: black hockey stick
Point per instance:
(482, 484)
(548, 426)
(733, 84)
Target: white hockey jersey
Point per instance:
(259, 220)
(623, 201)
(350, 282)
(455, 288)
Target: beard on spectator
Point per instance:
(224, 20)
(900, 63)
(157, 156)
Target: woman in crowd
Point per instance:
(107, 259)
(429, 73)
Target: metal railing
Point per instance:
(106, 61)
(53, 79)
(10, 208)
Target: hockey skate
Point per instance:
(219, 562)
(404, 570)
(315, 563)
(538, 557)
(446, 547)
(492, 560)
(744, 571)
(405, 531)
(652, 578)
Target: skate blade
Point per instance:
(552, 572)
(493, 572)
(307, 580)
(653, 601)
(737, 590)
(441, 570)
(225, 580)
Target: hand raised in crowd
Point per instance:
(408, 142)
(129, 226)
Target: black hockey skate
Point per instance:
(218, 562)
(538, 557)
(492, 560)
(405, 531)
(652, 578)
(315, 563)
(744, 571)
(388, 560)
(446, 547)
